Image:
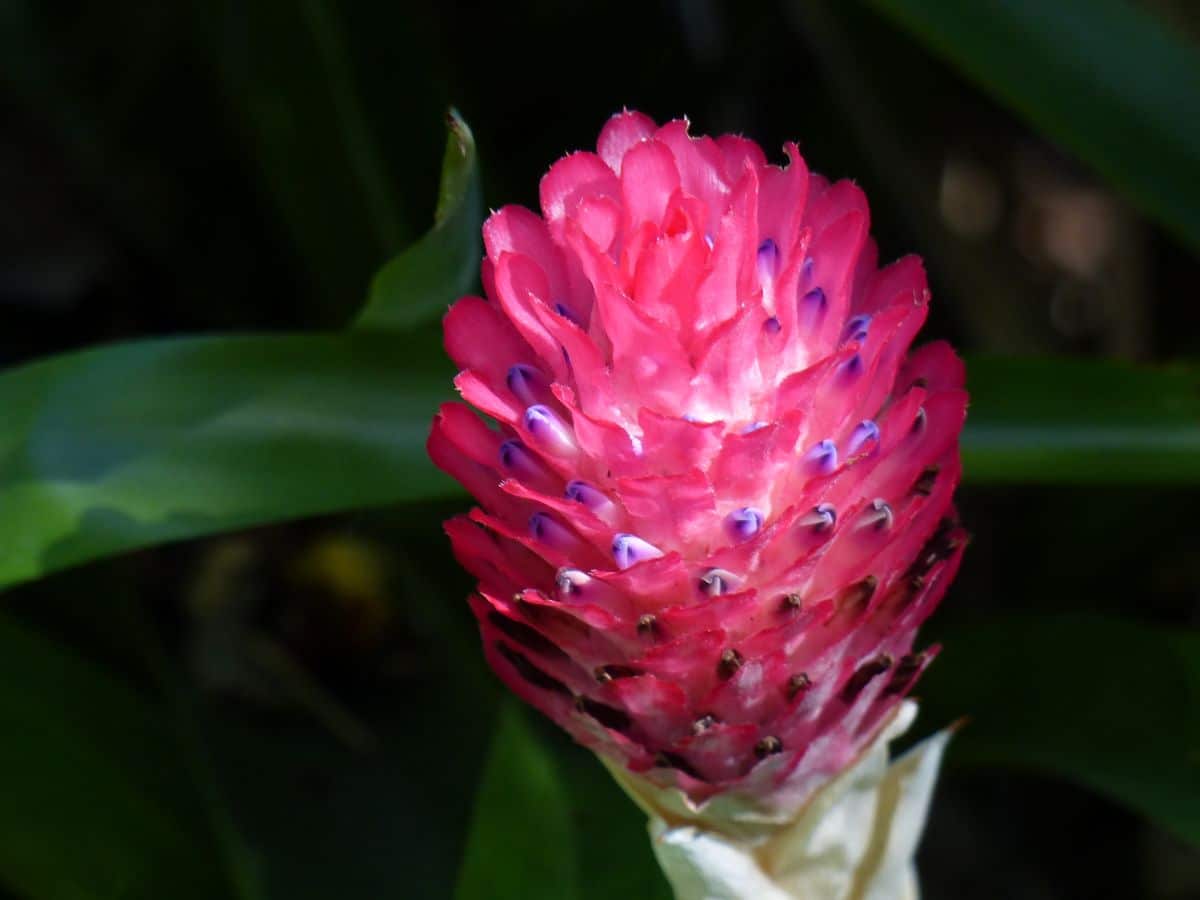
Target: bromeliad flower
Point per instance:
(718, 503)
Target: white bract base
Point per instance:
(853, 840)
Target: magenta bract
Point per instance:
(718, 502)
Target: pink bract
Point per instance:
(719, 500)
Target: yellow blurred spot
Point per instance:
(351, 572)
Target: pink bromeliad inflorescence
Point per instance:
(718, 502)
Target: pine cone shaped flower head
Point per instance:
(718, 503)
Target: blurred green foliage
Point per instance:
(532, 857)
(1077, 696)
(1111, 84)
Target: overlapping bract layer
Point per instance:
(718, 503)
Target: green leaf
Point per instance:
(419, 284)
(327, 820)
(116, 448)
(1075, 421)
(132, 445)
(1110, 704)
(96, 802)
(1100, 77)
(521, 841)
(615, 855)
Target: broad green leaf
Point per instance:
(96, 803)
(132, 445)
(615, 856)
(522, 841)
(419, 284)
(1110, 704)
(1075, 421)
(327, 820)
(1100, 77)
(115, 448)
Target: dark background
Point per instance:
(221, 166)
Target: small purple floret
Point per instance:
(812, 308)
(525, 382)
(825, 515)
(548, 429)
(545, 528)
(628, 549)
(716, 582)
(516, 457)
(768, 260)
(571, 581)
(823, 456)
(814, 298)
(865, 432)
(857, 328)
(880, 514)
(567, 313)
(591, 497)
(744, 523)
